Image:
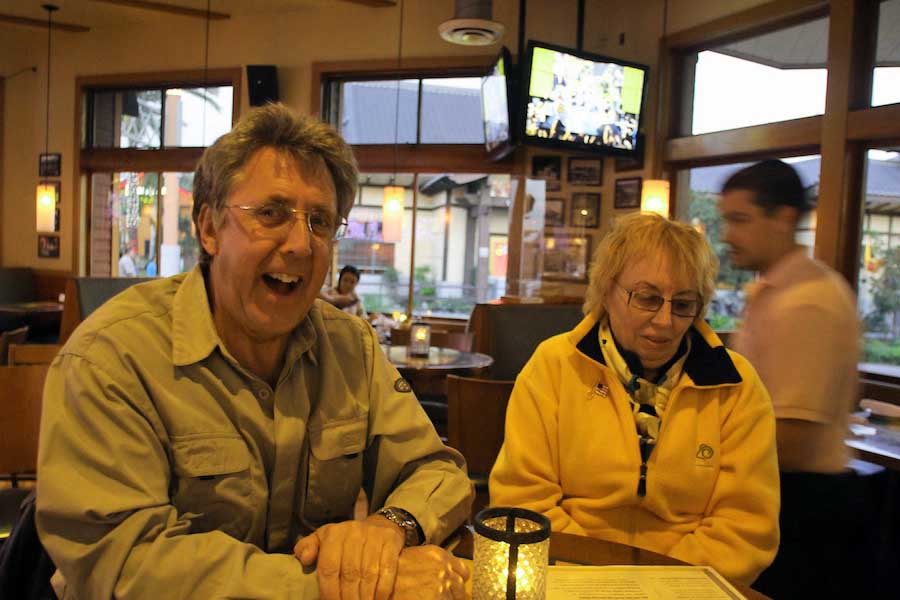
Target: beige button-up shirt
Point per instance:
(167, 470)
(802, 335)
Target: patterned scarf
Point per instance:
(648, 398)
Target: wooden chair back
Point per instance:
(21, 392)
(476, 418)
(7, 338)
(32, 354)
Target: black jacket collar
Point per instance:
(706, 365)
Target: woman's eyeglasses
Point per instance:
(649, 301)
(276, 221)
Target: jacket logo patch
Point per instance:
(705, 452)
(401, 385)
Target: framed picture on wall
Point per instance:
(585, 211)
(48, 246)
(49, 165)
(555, 212)
(566, 257)
(548, 168)
(628, 193)
(585, 171)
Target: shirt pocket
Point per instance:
(335, 470)
(212, 487)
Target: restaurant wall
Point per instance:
(330, 31)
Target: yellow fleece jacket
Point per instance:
(571, 453)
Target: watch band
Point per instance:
(411, 528)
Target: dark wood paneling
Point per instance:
(49, 284)
(128, 159)
(754, 21)
(2, 138)
(796, 137)
(230, 76)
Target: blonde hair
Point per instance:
(309, 141)
(639, 235)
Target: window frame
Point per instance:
(164, 159)
(842, 135)
(422, 158)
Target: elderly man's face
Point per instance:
(264, 280)
(653, 336)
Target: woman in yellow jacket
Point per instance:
(638, 426)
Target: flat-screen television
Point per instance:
(498, 107)
(581, 101)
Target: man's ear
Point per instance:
(207, 230)
(787, 217)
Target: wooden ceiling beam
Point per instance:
(42, 23)
(172, 9)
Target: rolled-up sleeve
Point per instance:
(407, 464)
(104, 512)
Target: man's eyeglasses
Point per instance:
(276, 221)
(649, 301)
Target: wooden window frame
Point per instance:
(90, 160)
(842, 135)
(427, 158)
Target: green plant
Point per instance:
(882, 351)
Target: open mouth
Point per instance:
(282, 284)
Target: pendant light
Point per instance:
(47, 192)
(392, 208)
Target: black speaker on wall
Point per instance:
(262, 84)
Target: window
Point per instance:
(879, 270)
(138, 118)
(412, 111)
(773, 77)
(146, 217)
(701, 187)
(886, 83)
(460, 249)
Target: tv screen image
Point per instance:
(579, 100)
(496, 105)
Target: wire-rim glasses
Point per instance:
(650, 301)
(277, 220)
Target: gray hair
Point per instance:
(638, 235)
(305, 138)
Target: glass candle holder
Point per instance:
(419, 339)
(512, 550)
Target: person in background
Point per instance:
(638, 426)
(344, 296)
(801, 333)
(127, 266)
(207, 435)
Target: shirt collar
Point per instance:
(194, 335)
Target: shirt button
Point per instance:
(263, 393)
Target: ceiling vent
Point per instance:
(471, 24)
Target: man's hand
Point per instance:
(355, 560)
(430, 573)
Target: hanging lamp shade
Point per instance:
(45, 205)
(655, 197)
(392, 214)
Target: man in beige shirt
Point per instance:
(801, 333)
(207, 435)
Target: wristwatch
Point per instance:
(411, 529)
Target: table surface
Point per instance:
(591, 551)
(883, 448)
(438, 359)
